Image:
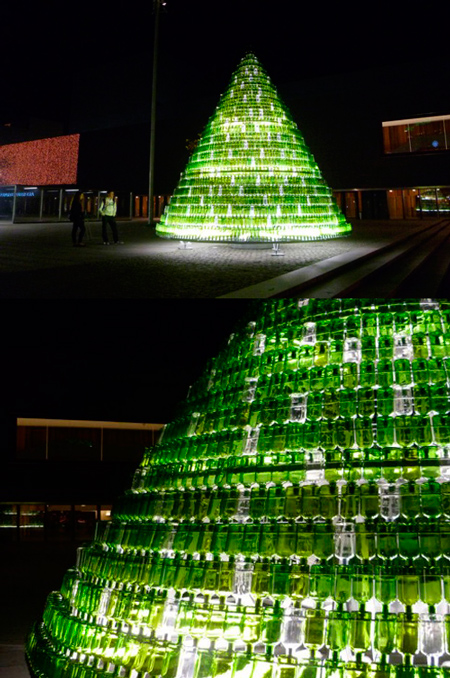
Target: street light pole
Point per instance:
(157, 4)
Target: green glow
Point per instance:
(293, 522)
(252, 177)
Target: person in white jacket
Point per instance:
(108, 210)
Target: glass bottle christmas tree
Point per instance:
(293, 522)
(252, 177)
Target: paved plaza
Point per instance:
(38, 261)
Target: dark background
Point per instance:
(131, 362)
(45, 46)
(341, 68)
(120, 362)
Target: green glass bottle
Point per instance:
(343, 584)
(321, 582)
(286, 667)
(337, 629)
(408, 585)
(408, 632)
(261, 580)
(387, 547)
(348, 403)
(271, 624)
(314, 629)
(362, 585)
(385, 638)
(359, 629)
(369, 500)
(328, 500)
(430, 499)
(408, 540)
(431, 586)
(299, 580)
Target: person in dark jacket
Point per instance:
(76, 216)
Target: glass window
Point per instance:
(85, 519)
(6, 202)
(396, 139)
(59, 523)
(443, 196)
(32, 522)
(28, 202)
(125, 445)
(417, 135)
(31, 442)
(51, 203)
(427, 136)
(105, 512)
(8, 522)
(428, 202)
(74, 444)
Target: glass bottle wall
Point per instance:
(252, 178)
(294, 519)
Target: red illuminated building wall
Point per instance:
(43, 162)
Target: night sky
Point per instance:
(88, 66)
(47, 46)
(114, 361)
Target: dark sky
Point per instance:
(46, 45)
(89, 66)
(108, 361)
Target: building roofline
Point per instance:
(82, 423)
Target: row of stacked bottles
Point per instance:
(252, 178)
(254, 544)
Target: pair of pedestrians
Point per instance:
(108, 210)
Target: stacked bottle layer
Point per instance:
(252, 178)
(294, 518)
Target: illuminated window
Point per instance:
(59, 523)
(8, 522)
(32, 522)
(84, 521)
(105, 512)
(417, 135)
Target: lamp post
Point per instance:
(157, 5)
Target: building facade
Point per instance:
(381, 138)
(65, 474)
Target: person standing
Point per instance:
(76, 216)
(108, 210)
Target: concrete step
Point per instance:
(330, 277)
(396, 273)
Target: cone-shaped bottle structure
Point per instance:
(293, 522)
(252, 178)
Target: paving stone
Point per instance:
(37, 260)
